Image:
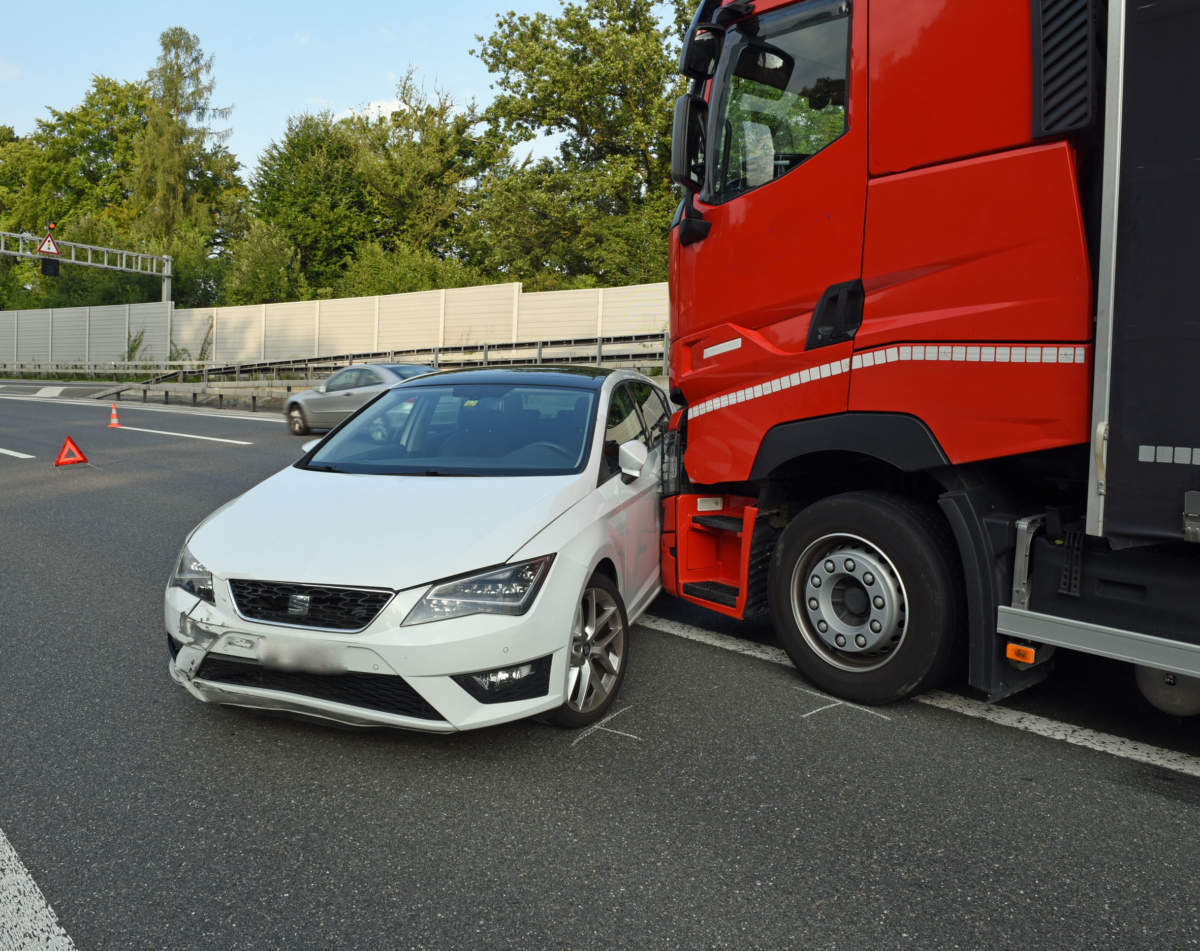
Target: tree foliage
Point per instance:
(600, 78)
(427, 195)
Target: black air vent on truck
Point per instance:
(1064, 65)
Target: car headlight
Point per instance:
(509, 589)
(192, 576)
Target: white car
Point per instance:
(470, 548)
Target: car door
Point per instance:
(327, 408)
(359, 390)
(634, 508)
(367, 385)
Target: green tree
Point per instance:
(399, 269)
(600, 78)
(310, 187)
(264, 267)
(186, 197)
(184, 173)
(417, 162)
(77, 162)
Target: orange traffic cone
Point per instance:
(113, 422)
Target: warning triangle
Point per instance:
(69, 454)
(48, 245)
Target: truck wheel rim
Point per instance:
(849, 602)
(597, 650)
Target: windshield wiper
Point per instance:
(324, 469)
(436, 472)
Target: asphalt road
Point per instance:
(726, 805)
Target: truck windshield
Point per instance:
(467, 429)
(780, 94)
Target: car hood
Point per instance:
(378, 531)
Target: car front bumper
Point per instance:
(386, 675)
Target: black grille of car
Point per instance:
(382, 692)
(307, 605)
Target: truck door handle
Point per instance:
(837, 316)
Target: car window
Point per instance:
(404, 372)
(342, 380)
(457, 429)
(622, 425)
(654, 411)
(369, 377)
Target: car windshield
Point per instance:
(466, 429)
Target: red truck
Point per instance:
(932, 329)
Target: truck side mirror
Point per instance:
(701, 51)
(687, 142)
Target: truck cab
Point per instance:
(896, 281)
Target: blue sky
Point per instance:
(272, 60)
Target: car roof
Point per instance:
(582, 377)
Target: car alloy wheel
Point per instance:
(599, 654)
(296, 421)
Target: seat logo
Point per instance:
(298, 604)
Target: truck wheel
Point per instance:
(864, 593)
(296, 421)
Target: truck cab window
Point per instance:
(781, 95)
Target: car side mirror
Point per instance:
(306, 447)
(320, 387)
(631, 459)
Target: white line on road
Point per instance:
(1065, 732)
(1003, 716)
(263, 417)
(26, 920)
(50, 391)
(19, 455)
(163, 432)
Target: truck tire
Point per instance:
(865, 595)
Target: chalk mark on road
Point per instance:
(19, 455)
(601, 726)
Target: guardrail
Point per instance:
(646, 351)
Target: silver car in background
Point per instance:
(324, 406)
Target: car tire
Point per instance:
(598, 655)
(865, 596)
(297, 422)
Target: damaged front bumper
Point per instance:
(356, 680)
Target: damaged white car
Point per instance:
(470, 548)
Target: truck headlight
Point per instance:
(509, 589)
(192, 576)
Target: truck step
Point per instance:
(713, 591)
(722, 523)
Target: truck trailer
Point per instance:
(933, 337)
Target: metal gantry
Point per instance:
(90, 255)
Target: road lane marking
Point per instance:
(26, 918)
(966, 706)
(267, 416)
(50, 391)
(1065, 732)
(163, 432)
(19, 455)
